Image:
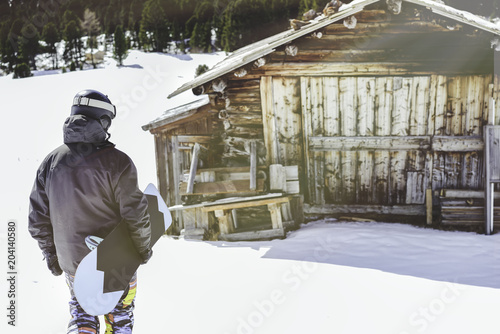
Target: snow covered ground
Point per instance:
(327, 277)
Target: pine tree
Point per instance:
(67, 17)
(134, 21)
(110, 17)
(154, 27)
(201, 37)
(230, 38)
(28, 44)
(91, 27)
(50, 35)
(4, 42)
(22, 70)
(11, 45)
(120, 44)
(72, 35)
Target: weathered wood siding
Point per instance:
(343, 115)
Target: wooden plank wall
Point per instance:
(422, 107)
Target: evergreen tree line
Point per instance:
(151, 25)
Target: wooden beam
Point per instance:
(457, 143)
(253, 235)
(192, 170)
(369, 143)
(194, 139)
(176, 169)
(332, 209)
(459, 193)
(269, 120)
(253, 165)
(397, 143)
(241, 169)
(247, 204)
(221, 187)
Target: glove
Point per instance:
(146, 256)
(53, 264)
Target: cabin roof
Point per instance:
(254, 51)
(177, 113)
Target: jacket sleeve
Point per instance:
(133, 208)
(39, 224)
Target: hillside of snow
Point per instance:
(326, 277)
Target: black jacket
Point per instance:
(85, 187)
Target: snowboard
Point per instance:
(104, 274)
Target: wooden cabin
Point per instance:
(376, 109)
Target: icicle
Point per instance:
(350, 22)
(394, 6)
(291, 50)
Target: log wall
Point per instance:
(373, 116)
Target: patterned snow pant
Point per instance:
(118, 321)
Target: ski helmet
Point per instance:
(94, 104)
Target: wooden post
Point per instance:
(277, 177)
(176, 169)
(488, 194)
(225, 223)
(192, 169)
(428, 204)
(275, 211)
(253, 165)
(234, 216)
(492, 115)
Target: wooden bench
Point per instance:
(196, 216)
(277, 204)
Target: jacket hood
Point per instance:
(82, 129)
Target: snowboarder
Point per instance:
(86, 187)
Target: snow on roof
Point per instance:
(177, 113)
(268, 45)
(458, 15)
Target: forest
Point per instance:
(32, 27)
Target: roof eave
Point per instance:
(458, 15)
(243, 58)
(177, 114)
